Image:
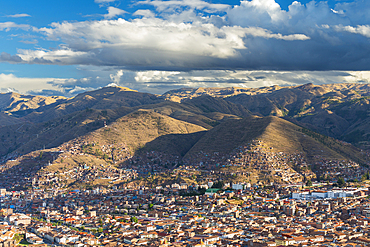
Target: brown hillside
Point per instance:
(15, 102)
(194, 113)
(5, 119)
(141, 127)
(105, 98)
(281, 135)
(27, 137)
(338, 110)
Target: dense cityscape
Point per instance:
(216, 214)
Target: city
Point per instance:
(185, 123)
(233, 215)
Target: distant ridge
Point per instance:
(13, 102)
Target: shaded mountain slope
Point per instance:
(208, 104)
(5, 119)
(277, 133)
(206, 112)
(172, 144)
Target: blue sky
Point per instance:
(67, 47)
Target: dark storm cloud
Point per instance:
(6, 57)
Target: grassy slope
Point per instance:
(140, 127)
(13, 102)
(194, 114)
(27, 137)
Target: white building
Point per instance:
(322, 194)
(237, 187)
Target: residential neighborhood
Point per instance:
(248, 215)
(254, 197)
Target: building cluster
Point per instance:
(331, 194)
(348, 169)
(291, 168)
(152, 161)
(248, 215)
(57, 168)
(259, 162)
(85, 163)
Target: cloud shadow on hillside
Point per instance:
(172, 144)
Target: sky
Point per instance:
(65, 47)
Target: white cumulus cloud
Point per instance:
(188, 35)
(360, 29)
(144, 13)
(18, 15)
(113, 12)
(147, 42)
(7, 26)
(116, 78)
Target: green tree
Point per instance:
(134, 219)
(341, 183)
(309, 183)
(17, 237)
(366, 176)
(218, 185)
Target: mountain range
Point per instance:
(192, 126)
